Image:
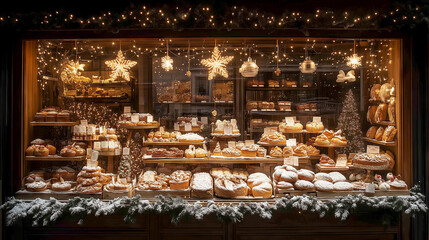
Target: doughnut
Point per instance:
(324, 186)
(36, 186)
(87, 181)
(61, 186)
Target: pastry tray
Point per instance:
(47, 194)
(185, 193)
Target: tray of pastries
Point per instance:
(151, 184)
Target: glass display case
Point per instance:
(222, 118)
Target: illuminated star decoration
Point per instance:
(167, 63)
(217, 64)
(120, 67)
(75, 67)
(354, 61)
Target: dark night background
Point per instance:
(81, 8)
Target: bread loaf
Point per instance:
(379, 134)
(370, 116)
(381, 113)
(389, 134)
(385, 91)
(375, 92)
(371, 132)
(391, 109)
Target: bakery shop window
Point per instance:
(205, 117)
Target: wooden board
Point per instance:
(383, 143)
(288, 193)
(186, 193)
(271, 144)
(377, 193)
(330, 146)
(172, 143)
(223, 160)
(26, 195)
(112, 195)
(52, 124)
(337, 193)
(330, 169)
(54, 158)
(140, 127)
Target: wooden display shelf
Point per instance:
(54, 158)
(185, 193)
(281, 88)
(377, 193)
(130, 127)
(302, 131)
(223, 160)
(199, 103)
(330, 169)
(52, 124)
(330, 146)
(47, 194)
(218, 135)
(383, 143)
(271, 144)
(278, 112)
(172, 143)
(288, 192)
(334, 194)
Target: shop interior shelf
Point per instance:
(54, 158)
(222, 160)
(52, 124)
(382, 143)
(130, 127)
(172, 143)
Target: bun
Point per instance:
(30, 151)
(381, 113)
(389, 134)
(52, 149)
(375, 92)
(379, 134)
(371, 132)
(391, 110)
(41, 151)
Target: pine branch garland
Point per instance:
(46, 212)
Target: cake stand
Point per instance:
(370, 170)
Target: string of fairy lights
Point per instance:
(405, 14)
(51, 54)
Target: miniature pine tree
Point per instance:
(349, 122)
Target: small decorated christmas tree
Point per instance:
(125, 170)
(349, 122)
(131, 165)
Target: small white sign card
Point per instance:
(88, 151)
(291, 142)
(127, 109)
(205, 120)
(94, 155)
(97, 145)
(231, 144)
(149, 118)
(249, 142)
(117, 151)
(188, 127)
(161, 129)
(341, 160)
(83, 122)
(135, 118)
(290, 121)
(295, 160)
(126, 151)
(227, 130)
(194, 121)
(372, 149)
(288, 161)
(317, 119)
(176, 126)
(369, 188)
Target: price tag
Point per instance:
(249, 142)
(194, 121)
(104, 145)
(82, 129)
(317, 119)
(369, 188)
(205, 120)
(231, 144)
(291, 142)
(341, 160)
(288, 161)
(290, 121)
(83, 122)
(293, 85)
(188, 127)
(135, 118)
(88, 151)
(127, 109)
(94, 155)
(234, 122)
(267, 130)
(295, 161)
(126, 151)
(97, 145)
(76, 129)
(149, 119)
(273, 129)
(227, 130)
(161, 129)
(117, 151)
(307, 110)
(372, 149)
(176, 126)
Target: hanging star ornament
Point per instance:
(354, 61)
(120, 67)
(217, 64)
(167, 63)
(71, 71)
